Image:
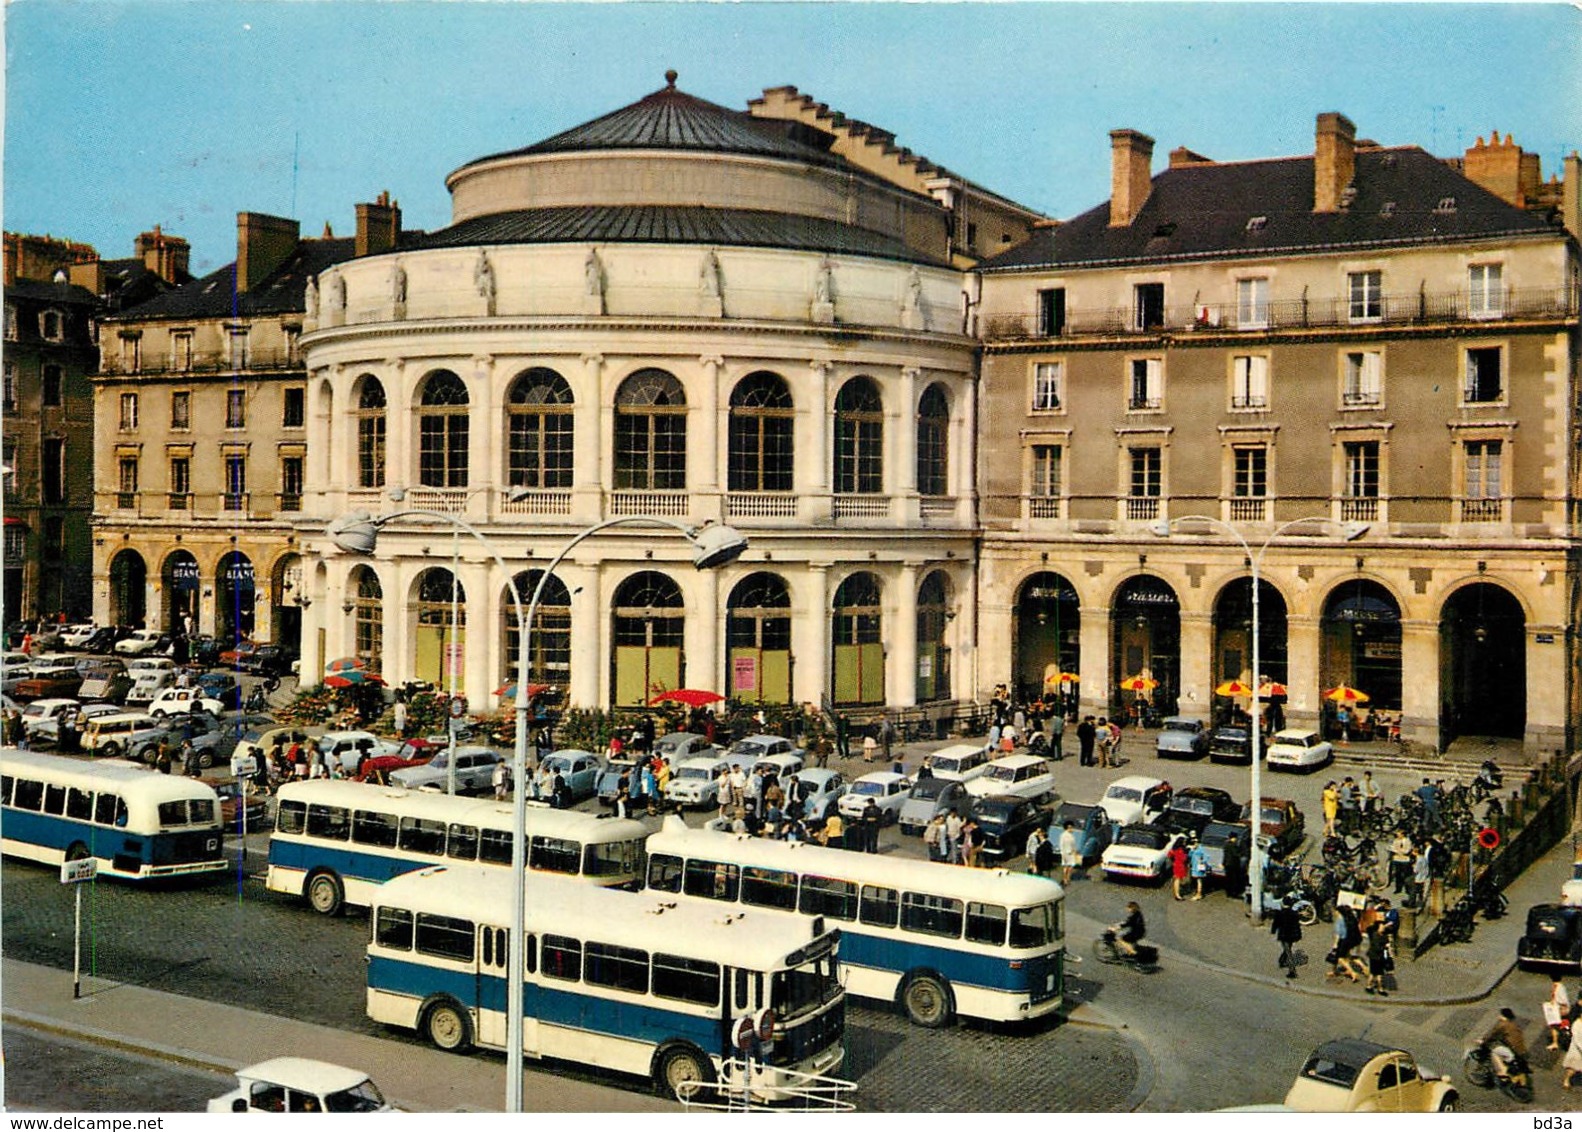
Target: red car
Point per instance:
(414, 752)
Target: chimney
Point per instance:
(166, 256)
(378, 226)
(263, 243)
(1334, 160)
(1503, 168)
(1571, 195)
(1131, 155)
(89, 275)
(1181, 157)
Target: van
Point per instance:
(350, 747)
(115, 736)
(149, 675)
(962, 762)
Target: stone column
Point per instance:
(480, 617)
(703, 667)
(400, 444)
(590, 647)
(810, 635)
(394, 581)
(813, 444)
(1303, 646)
(902, 480)
(587, 443)
(1420, 682)
(901, 667)
(484, 426)
(1197, 663)
(1094, 648)
(703, 456)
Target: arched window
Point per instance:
(933, 448)
(762, 420)
(859, 438)
(758, 636)
(650, 433)
(442, 431)
(370, 414)
(857, 636)
(539, 430)
(933, 656)
(438, 627)
(368, 609)
(649, 623)
(550, 644)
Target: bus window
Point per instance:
(769, 888)
(423, 835)
(29, 794)
(371, 828)
(494, 950)
(1034, 927)
(664, 873)
(554, 855)
(686, 980)
(394, 929)
(5, 789)
(934, 915)
(881, 907)
(625, 968)
(104, 808)
(713, 880)
(172, 814)
(200, 811)
(986, 923)
(462, 843)
(826, 896)
(562, 958)
(742, 999)
(444, 937)
(333, 823)
(292, 817)
(55, 799)
(530, 953)
(494, 846)
(611, 858)
(79, 804)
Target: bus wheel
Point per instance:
(677, 1066)
(927, 1001)
(447, 1027)
(325, 893)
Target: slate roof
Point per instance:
(281, 292)
(43, 292)
(1203, 212)
(669, 224)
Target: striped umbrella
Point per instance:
(1234, 688)
(346, 664)
(1344, 694)
(350, 677)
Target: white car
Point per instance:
(168, 701)
(1025, 776)
(149, 674)
(823, 791)
(888, 790)
(474, 771)
(1140, 852)
(696, 781)
(1136, 799)
(962, 762)
(350, 746)
(1571, 890)
(300, 1084)
(41, 718)
(768, 750)
(1297, 750)
(75, 636)
(139, 643)
(679, 745)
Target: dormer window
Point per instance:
(1387, 209)
(52, 325)
(1256, 223)
(1446, 205)
(1165, 230)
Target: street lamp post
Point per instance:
(1351, 532)
(712, 546)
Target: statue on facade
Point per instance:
(310, 298)
(709, 275)
(823, 281)
(483, 279)
(398, 284)
(593, 273)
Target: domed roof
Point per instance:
(672, 119)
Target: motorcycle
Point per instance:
(257, 700)
(1457, 925)
(1516, 1082)
(1489, 779)
(1107, 949)
(1489, 900)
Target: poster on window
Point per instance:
(453, 654)
(744, 674)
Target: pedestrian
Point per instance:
(1105, 741)
(1370, 793)
(400, 715)
(1056, 731)
(1556, 1007)
(1378, 955)
(1347, 937)
(497, 779)
(1178, 868)
(1343, 721)
(1571, 1066)
(738, 785)
(872, 820)
(1350, 805)
(722, 790)
(1234, 868)
(934, 837)
(1043, 859)
(190, 766)
(971, 845)
(1329, 800)
(1087, 736)
(1070, 853)
(887, 736)
(1430, 799)
(926, 770)
(833, 833)
(1197, 862)
(842, 736)
(1438, 870)
(953, 827)
(1421, 877)
(1400, 861)
(1286, 926)
(870, 748)
(162, 760)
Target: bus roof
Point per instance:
(759, 938)
(541, 820)
(909, 874)
(105, 774)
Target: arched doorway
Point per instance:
(649, 630)
(368, 609)
(1362, 645)
(1483, 663)
(1048, 627)
(1233, 637)
(933, 654)
(550, 642)
(128, 588)
(289, 594)
(439, 628)
(1145, 623)
(234, 594)
(758, 639)
(856, 625)
(182, 580)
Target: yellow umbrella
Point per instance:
(1139, 684)
(1233, 688)
(1344, 694)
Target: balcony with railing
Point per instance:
(173, 362)
(535, 502)
(290, 500)
(1408, 309)
(861, 506)
(760, 505)
(1482, 510)
(126, 500)
(1359, 509)
(1043, 507)
(1247, 510)
(1141, 508)
(234, 501)
(669, 504)
(178, 500)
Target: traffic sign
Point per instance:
(75, 872)
(244, 765)
(458, 707)
(744, 1032)
(1489, 837)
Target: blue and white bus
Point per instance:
(620, 980)
(336, 841)
(937, 939)
(136, 823)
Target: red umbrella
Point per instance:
(508, 690)
(1270, 688)
(692, 697)
(347, 664)
(353, 676)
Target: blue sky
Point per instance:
(122, 114)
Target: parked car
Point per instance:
(607, 787)
(580, 769)
(821, 789)
(414, 752)
(1354, 1075)
(15, 667)
(679, 745)
(753, 748)
(1281, 825)
(350, 747)
(75, 636)
(268, 740)
(1090, 824)
(224, 687)
(1140, 852)
(1193, 807)
(961, 761)
(1005, 821)
(149, 674)
(300, 1084)
(885, 787)
(119, 735)
(474, 771)
(237, 654)
(1182, 737)
(1230, 743)
(102, 641)
(1026, 776)
(1571, 890)
(695, 781)
(141, 642)
(268, 660)
(930, 796)
(233, 798)
(204, 651)
(1136, 799)
(1213, 838)
(1553, 940)
(168, 701)
(49, 677)
(1298, 750)
(103, 678)
(41, 719)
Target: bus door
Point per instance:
(493, 992)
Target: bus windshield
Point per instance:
(1037, 926)
(795, 992)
